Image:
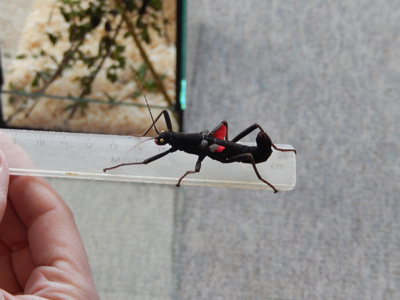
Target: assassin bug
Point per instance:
(214, 144)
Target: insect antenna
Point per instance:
(133, 147)
(144, 95)
(149, 139)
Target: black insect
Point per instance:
(214, 144)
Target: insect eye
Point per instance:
(161, 140)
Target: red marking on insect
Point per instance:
(220, 149)
(220, 134)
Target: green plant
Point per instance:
(84, 18)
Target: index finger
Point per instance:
(52, 231)
(53, 237)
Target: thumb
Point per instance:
(4, 177)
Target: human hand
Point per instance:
(41, 252)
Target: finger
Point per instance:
(8, 280)
(3, 183)
(50, 223)
(16, 156)
(11, 232)
(6, 296)
(52, 233)
(16, 260)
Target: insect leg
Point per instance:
(145, 162)
(167, 121)
(196, 169)
(283, 150)
(248, 156)
(246, 132)
(253, 127)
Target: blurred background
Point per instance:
(323, 76)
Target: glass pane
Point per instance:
(70, 64)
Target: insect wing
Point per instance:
(220, 132)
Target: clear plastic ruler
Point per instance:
(79, 155)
